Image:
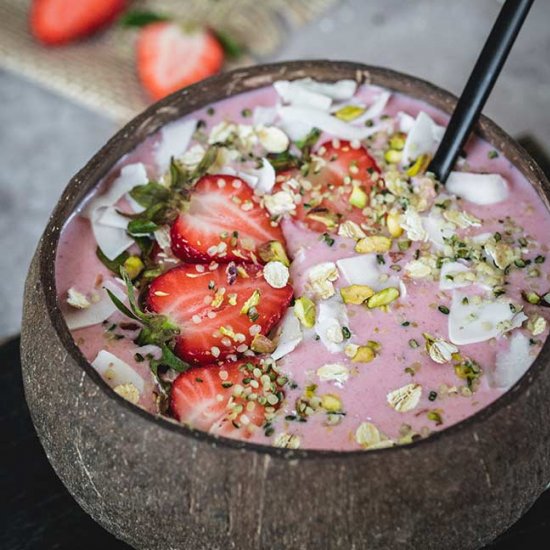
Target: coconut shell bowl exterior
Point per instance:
(157, 484)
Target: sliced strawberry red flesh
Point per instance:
(224, 222)
(206, 305)
(214, 398)
(345, 166)
(170, 58)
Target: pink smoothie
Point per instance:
(369, 413)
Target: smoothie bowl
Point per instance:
(256, 320)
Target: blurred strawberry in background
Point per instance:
(61, 21)
(169, 54)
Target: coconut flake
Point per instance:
(174, 141)
(341, 90)
(511, 363)
(116, 372)
(98, 311)
(437, 229)
(480, 189)
(405, 122)
(109, 227)
(264, 116)
(331, 318)
(110, 217)
(130, 176)
(375, 109)
(299, 121)
(423, 137)
(297, 94)
(290, 336)
(476, 320)
(111, 240)
(452, 269)
(364, 269)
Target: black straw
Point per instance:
(479, 85)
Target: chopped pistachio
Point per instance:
(304, 310)
(391, 156)
(435, 416)
(331, 402)
(227, 331)
(273, 251)
(404, 245)
(358, 197)
(397, 141)
(262, 344)
(253, 301)
(133, 266)
(531, 297)
(393, 223)
(364, 354)
(349, 112)
(383, 297)
(375, 243)
(356, 294)
(330, 219)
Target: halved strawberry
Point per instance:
(170, 57)
(224, 222)
(214, 399)
(61, 21)
(207, 305)
(330, 198)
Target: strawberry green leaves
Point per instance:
(156, 329)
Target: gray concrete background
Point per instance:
(45, 139)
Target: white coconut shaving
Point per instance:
(116, 372)
(290, 335)
(99, 309)
(473, 319)
(480, 189)
(174, 141)
(423, 137)
(512, 363)
(331, 319)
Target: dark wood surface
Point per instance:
(37, 512)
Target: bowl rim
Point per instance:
(48, 245)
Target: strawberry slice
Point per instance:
(61, 21)
(224, 222)
(206, 303)
(170, 57)
(330, 199)
(213, 398)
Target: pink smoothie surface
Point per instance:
(364, 395)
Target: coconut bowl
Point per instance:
(157, 484)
